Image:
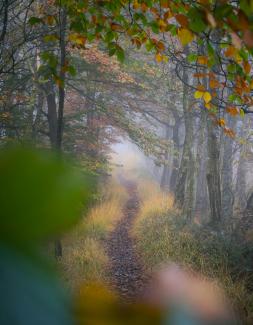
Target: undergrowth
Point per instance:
(162, 237)
(84, 257)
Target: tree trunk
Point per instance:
(227, 177)
(185, 193)
(240, 187)
(61, 88)
(51, 113)
(201, 162)
(176, 145)
(213, 174)
(166, 168)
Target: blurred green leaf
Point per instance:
(40, 195)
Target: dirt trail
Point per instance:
(127, 274)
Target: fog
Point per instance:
(126, 157)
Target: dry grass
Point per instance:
(154, 203)
(84, 256)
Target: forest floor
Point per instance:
(127, 274)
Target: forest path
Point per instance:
(127, 274)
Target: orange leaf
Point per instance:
(221, 122)
(243, 21)
(50, 20)
(202, 60)
(232, 110)
(199, 75)
(160, 46)
(213, 83)
(246, 67)
(165, 3)
(248, 38)
(229, 132)
(116, 27)
(167, 15)
(144, 7)
(182, 19)
(154, 11)
(230, 51)
(201, 87)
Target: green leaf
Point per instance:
(154, 26)
(223, 10)
(51, 38)
(34, 20)
(173, 29)
(210, 49)
(149, 45)
(192, 57)
(72, 70)
(197, 23)
(120, 54)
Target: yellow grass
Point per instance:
(84, 257)
(154, 202)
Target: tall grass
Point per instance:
(162, 237)
(84, 257)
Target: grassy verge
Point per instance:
(163, 238)
(84, 257)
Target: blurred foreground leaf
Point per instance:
(30, 294)
(40, 195)
(96, 304)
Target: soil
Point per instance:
(127, 274)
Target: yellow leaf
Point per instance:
(198, 94)
(78, 39)
(162, 25)
(185, 36)
(158, 57)
(165, 59)
(208, 105)
(207, 97)
(136, 5)
(238, 58)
